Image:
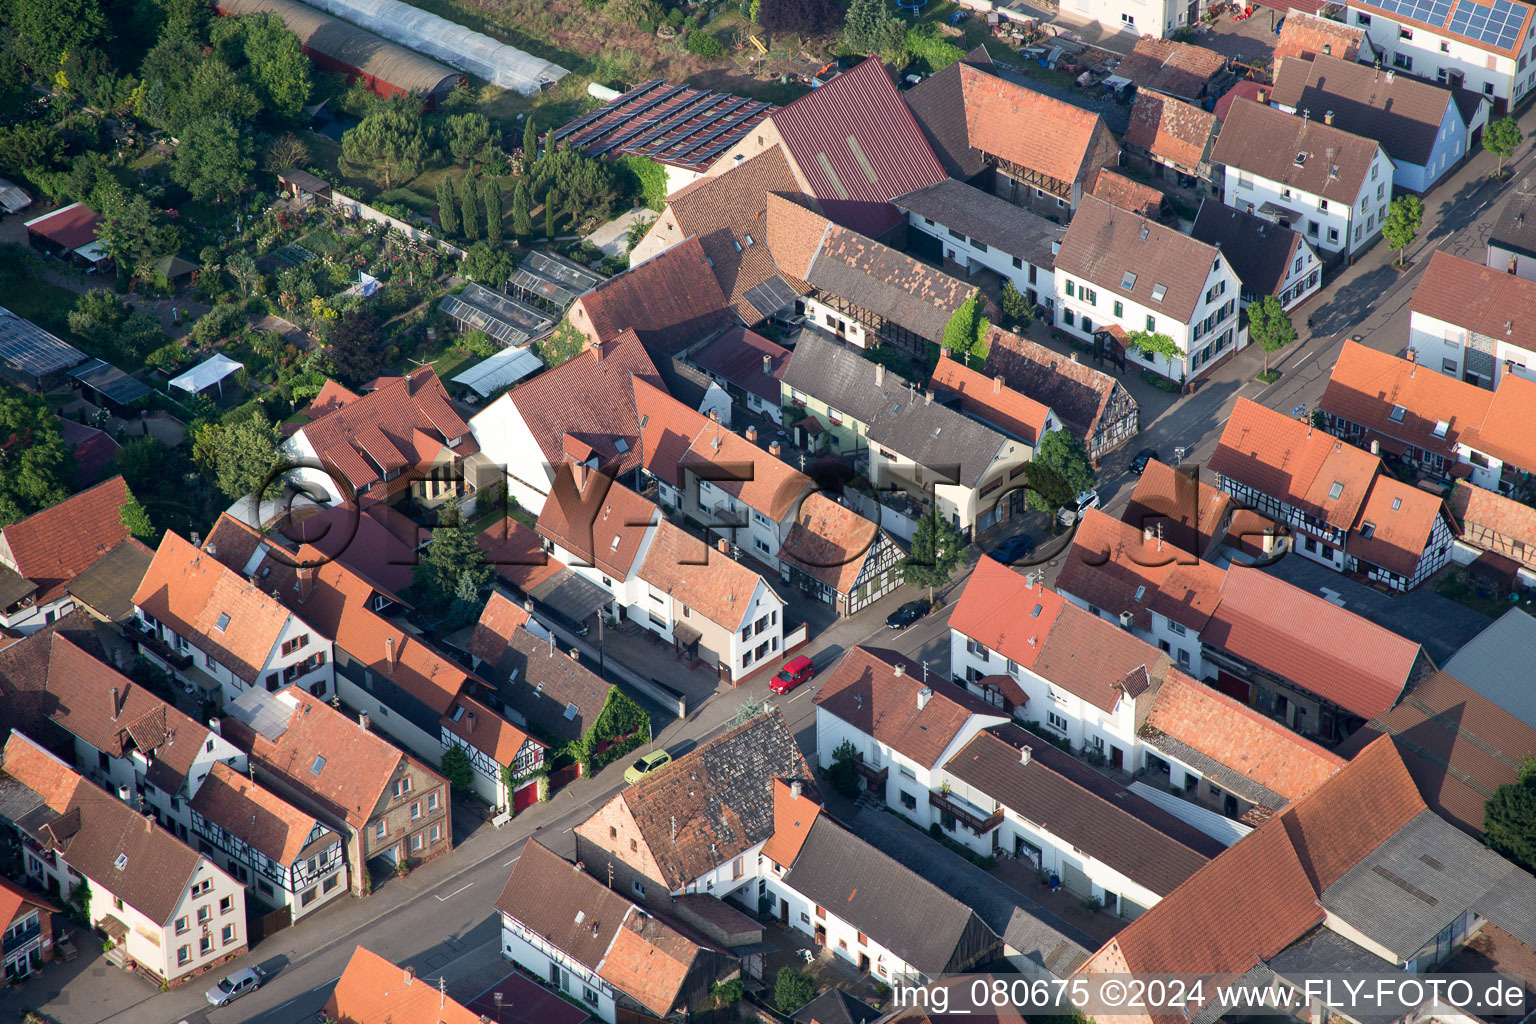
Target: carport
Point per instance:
(112, 385)
(571, 597)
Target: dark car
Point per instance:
(1139, 463)
(1014, 548)
(908, 613)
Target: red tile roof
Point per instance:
(1336, 654)
(600, 521)
(1127, 193)
(1097, 660)
(14, 899)
(1239, 738)
(50, 548)
(1002, 610)
(793, 817)
(261, 818)
(1171, 129)
(498, 622)
(1508, 432)
(408, 421)
(1368, 386)
(1243, 90)
(830, 542)
(588, 399)
(377, 542)
(857, 146)
(989, 399)
(1294, 462)
(1116, 567)
(699, 577)
(191, 591)
(747, 360)
(1395, 524)
(1036, 131)
(372, 989)
(518, 554)
(1492, 522)
(1190, 511)
(485, 730)
(671, 301)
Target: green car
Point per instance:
(646, 764)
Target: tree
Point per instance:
(133, 516)
(215, 90)
(355, 346)
(36, 467)
(530, 141)
(470, 138)
(1502, 138)
(801, 17)
(792, 989)
(490, 193)
(132, 234)
(241, 456)
(469, 205)
(242, 267)
(488, 265)
(549, 215)
(870, 27)
(966, 333)
(1402, 222)
(1269, 325)
(522, 223)
(937, 551)
(455, 767)
(49, 29)
(214, 159)
(1509, 818)
(277, 65)
(286, 152)
(1059, 471)
(100, 318)
(447, 206)
(1152, 345)
(392, 140)
(1016, 311)
(451, 555)
(842, 774)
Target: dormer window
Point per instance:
(1128, 281)
(1367, 528)
(1301, 160)
(1159, 292)
(1441, 426)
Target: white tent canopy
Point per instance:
(206, 374)
(508, 366)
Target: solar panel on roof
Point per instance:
(1497, 25)
(770, 296)
(1430, 12)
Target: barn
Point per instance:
(340, 48)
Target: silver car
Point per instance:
(247, 979)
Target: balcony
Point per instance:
(874, 776)
(965, 812)
(15, 942)
(147, 638)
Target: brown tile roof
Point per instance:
(1265, 141)
(1307, 36)
(406, 422)
(671, 300)
(1238, 739)
(793, 817)
(716, 801)
(747, 360)
(518, 554)
(829, 542)
(1176, 69)
(358, 765)
(588, 399)
(725, 211)
(565, 906)
(50, 548)
(1096, 660)
(1127, 193)
(597, 519)
(1459, 746)
(542, 682)
(1104, 242)
(1294, 462)
(191, 591)
(498, 623)
(1481, 299)
(938, 103)
(1036, 131)
(1191, 512)
(1336, 654)
(1002, 610)
(1395, 525)
(1478, 507)
(373, 989)
(1171, 129)
(985, 218)
(1366, 386)
(157, 867)
(1075, 392)
(1261, 252)
(794, 234)
(878, 692)
(857, 146)
(261, 818)
(1402, 112)
(676, 438)
(1093, 814)
(1116, 567)
(700, 577)
(376, 541)
(991, 401)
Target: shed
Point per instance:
(68, 230)
(301, 183)
(1493, 575)
(28, 350)
(508, 366)
(206, 374)
(175, 268)
(110, 383)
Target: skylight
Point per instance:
(620, 445)
(1129, 280)
(1366, 529)
(1397, 414)
(1441, 426)
(615, 545)
(1397, 503)
(1336, 490)
(121, 862)
(1036, 613)
(644, 420)
(1141, 592)
(1158, 292)
(458, 712)
(571, 711)
(749, 240)
(314, 769)
(223, 622)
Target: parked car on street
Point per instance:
(1139, 462)
(794, 672)
(232, 987)
(1014, 548)
(645, 764)
(908, 613)
(1073, 511)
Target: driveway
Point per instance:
(1439, 624)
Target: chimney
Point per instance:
(1147, 533)
(1074, 356)
(900, 670)
(115, 707)
(723, 545)
(1023, 755)
(306, 582)
(410, 975)
(774, 448)
(714, 415)
(389, 655)
(575, 655)
(997, 384)
(1263, 95)
(597, 350)
(580, 473)
(1375, 447)
(149, 823)
(768, 364)
(1412, 355)
(364, 720)
(795, 788)
(924, 696)
(944, 353)
(928, 397)
(879, 375)
(1328, 117)
(752, 434)
(470, 721)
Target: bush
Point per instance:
(702, 44)
(728, 993)
(457, 769)
(792, 989)
(648, 179)
(842, 774)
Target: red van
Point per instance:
(797, 671)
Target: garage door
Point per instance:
(1073, 878)
(1232, 686)
(1130, 909)
(525, 797)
